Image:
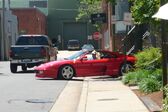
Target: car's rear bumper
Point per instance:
(29, 62)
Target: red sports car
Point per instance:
(85, 63)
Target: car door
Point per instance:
(112, 63)
(83, 67)
(90, 67)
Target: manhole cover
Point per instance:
(39, 101)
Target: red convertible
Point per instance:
(85, 63)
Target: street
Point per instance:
(22, 92)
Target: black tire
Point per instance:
(66, 72)
(125, 68)
(13, 68)
(24, 68)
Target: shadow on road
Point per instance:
(107, 78)
(60, 79)
(28, 71)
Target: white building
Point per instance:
(8, 32)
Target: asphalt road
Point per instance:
(22, 92)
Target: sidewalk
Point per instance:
(108, 95)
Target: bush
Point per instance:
(149, 59)
(149, 85)
(148, 81)
(133, 78)
(156, 74)
(129, 78)
(165, 100)
(148, 72)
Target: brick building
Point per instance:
(30, 20)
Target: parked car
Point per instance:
(88, 47)
(82, 64)
(30, 51)
(73, 45)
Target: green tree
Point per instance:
(143, 10)
(88, 7)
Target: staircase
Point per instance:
(132, 42)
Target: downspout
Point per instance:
(3, 31)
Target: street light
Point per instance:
(163, 16)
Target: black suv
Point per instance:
(73, 45)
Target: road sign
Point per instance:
(98, 18)
(96, 35)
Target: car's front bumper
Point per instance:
(46, 73)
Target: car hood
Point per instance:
(52, 64)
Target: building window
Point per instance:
(40, 4)
(121, 7)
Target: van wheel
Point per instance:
(24, 68)
(66, 72)
(13, 68)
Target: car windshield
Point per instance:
(76, 55)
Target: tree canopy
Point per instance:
(88, 7)
(143, 10)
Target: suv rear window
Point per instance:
(32, 40)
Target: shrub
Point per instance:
(133, 78)
(156, 74)
(149, 59)
(148, 72)
(129, 78)
(165, 100)
(149, 85)
(148, 81)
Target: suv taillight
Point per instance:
(11, 54)
(43, 52)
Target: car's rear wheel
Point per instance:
(66, 72)
(24, 68)
(13, 68)
(125, 68)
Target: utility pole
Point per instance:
(3, 31)
(164, 49)
(110, 26)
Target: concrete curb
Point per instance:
(83, 98)
(68, 99)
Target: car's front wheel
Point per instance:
(66, 72)
(13, 68)
(125, 68)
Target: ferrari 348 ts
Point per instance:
(86, 63)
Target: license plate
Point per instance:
(26, 60)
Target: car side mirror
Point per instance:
(84, 58)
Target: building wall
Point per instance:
(118, 30)
(30, 21)
(9, 35)
(62, 13)
(40, 4)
